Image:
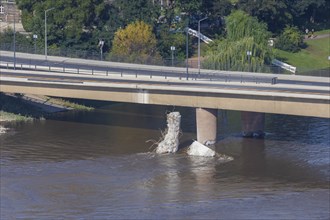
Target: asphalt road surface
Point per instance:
(62, 64)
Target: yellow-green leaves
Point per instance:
(136, 41)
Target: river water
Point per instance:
(100, 165)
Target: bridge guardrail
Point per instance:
(95, 55)
(103, 71)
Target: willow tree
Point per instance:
(135, 43)
(245, 47)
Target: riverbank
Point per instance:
(9, 117)
(16, 108)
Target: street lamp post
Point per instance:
(46, 30)
(187, 54)
(199, 45)
(14, 41)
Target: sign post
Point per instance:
(172, 49)
(249, 54)
(101, 44)
(35, 37)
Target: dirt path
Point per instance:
(317, 37)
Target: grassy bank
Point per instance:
(314, 57)
(67, 104)
(7, 116)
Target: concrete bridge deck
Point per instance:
(291, 94)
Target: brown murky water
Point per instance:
(98, 165)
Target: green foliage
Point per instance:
(275, 13)
(281, 13)
(240, 25)
(79, 24)
(189, 6)
(166, 39)
(310, 13)
(232, 55)
(136, 10)
(290, 40)
(7, 37)
(216, 10)
(220, 8)
(244, 33)
(71, 24)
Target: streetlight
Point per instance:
(14, 41)
(199, 45)
(14, 37)
(46, 30)
(187, 54)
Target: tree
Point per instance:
(135, 43)
(244, 33)
(72, 24)
(290, 40)
(167, 38)
(216, 10)
(275, 13)
(136, 10)
(310, 13)
(220, 8)
(240, 25)
(7, 37)
(189, 6)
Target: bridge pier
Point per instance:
(206, 123)
(253, 124)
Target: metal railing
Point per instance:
(95, 55)
(139, 72)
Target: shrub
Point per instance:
(290, 40)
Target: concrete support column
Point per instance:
(253, 124)
(206, 123)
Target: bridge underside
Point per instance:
(188, 98)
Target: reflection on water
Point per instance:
(253, 158)
(97, 165)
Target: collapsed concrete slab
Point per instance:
(198, 149)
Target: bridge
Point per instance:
(208, 91)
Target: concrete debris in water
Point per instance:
(3, 130)
(198, 149)
(170, 144)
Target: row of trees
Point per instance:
(143, 28)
